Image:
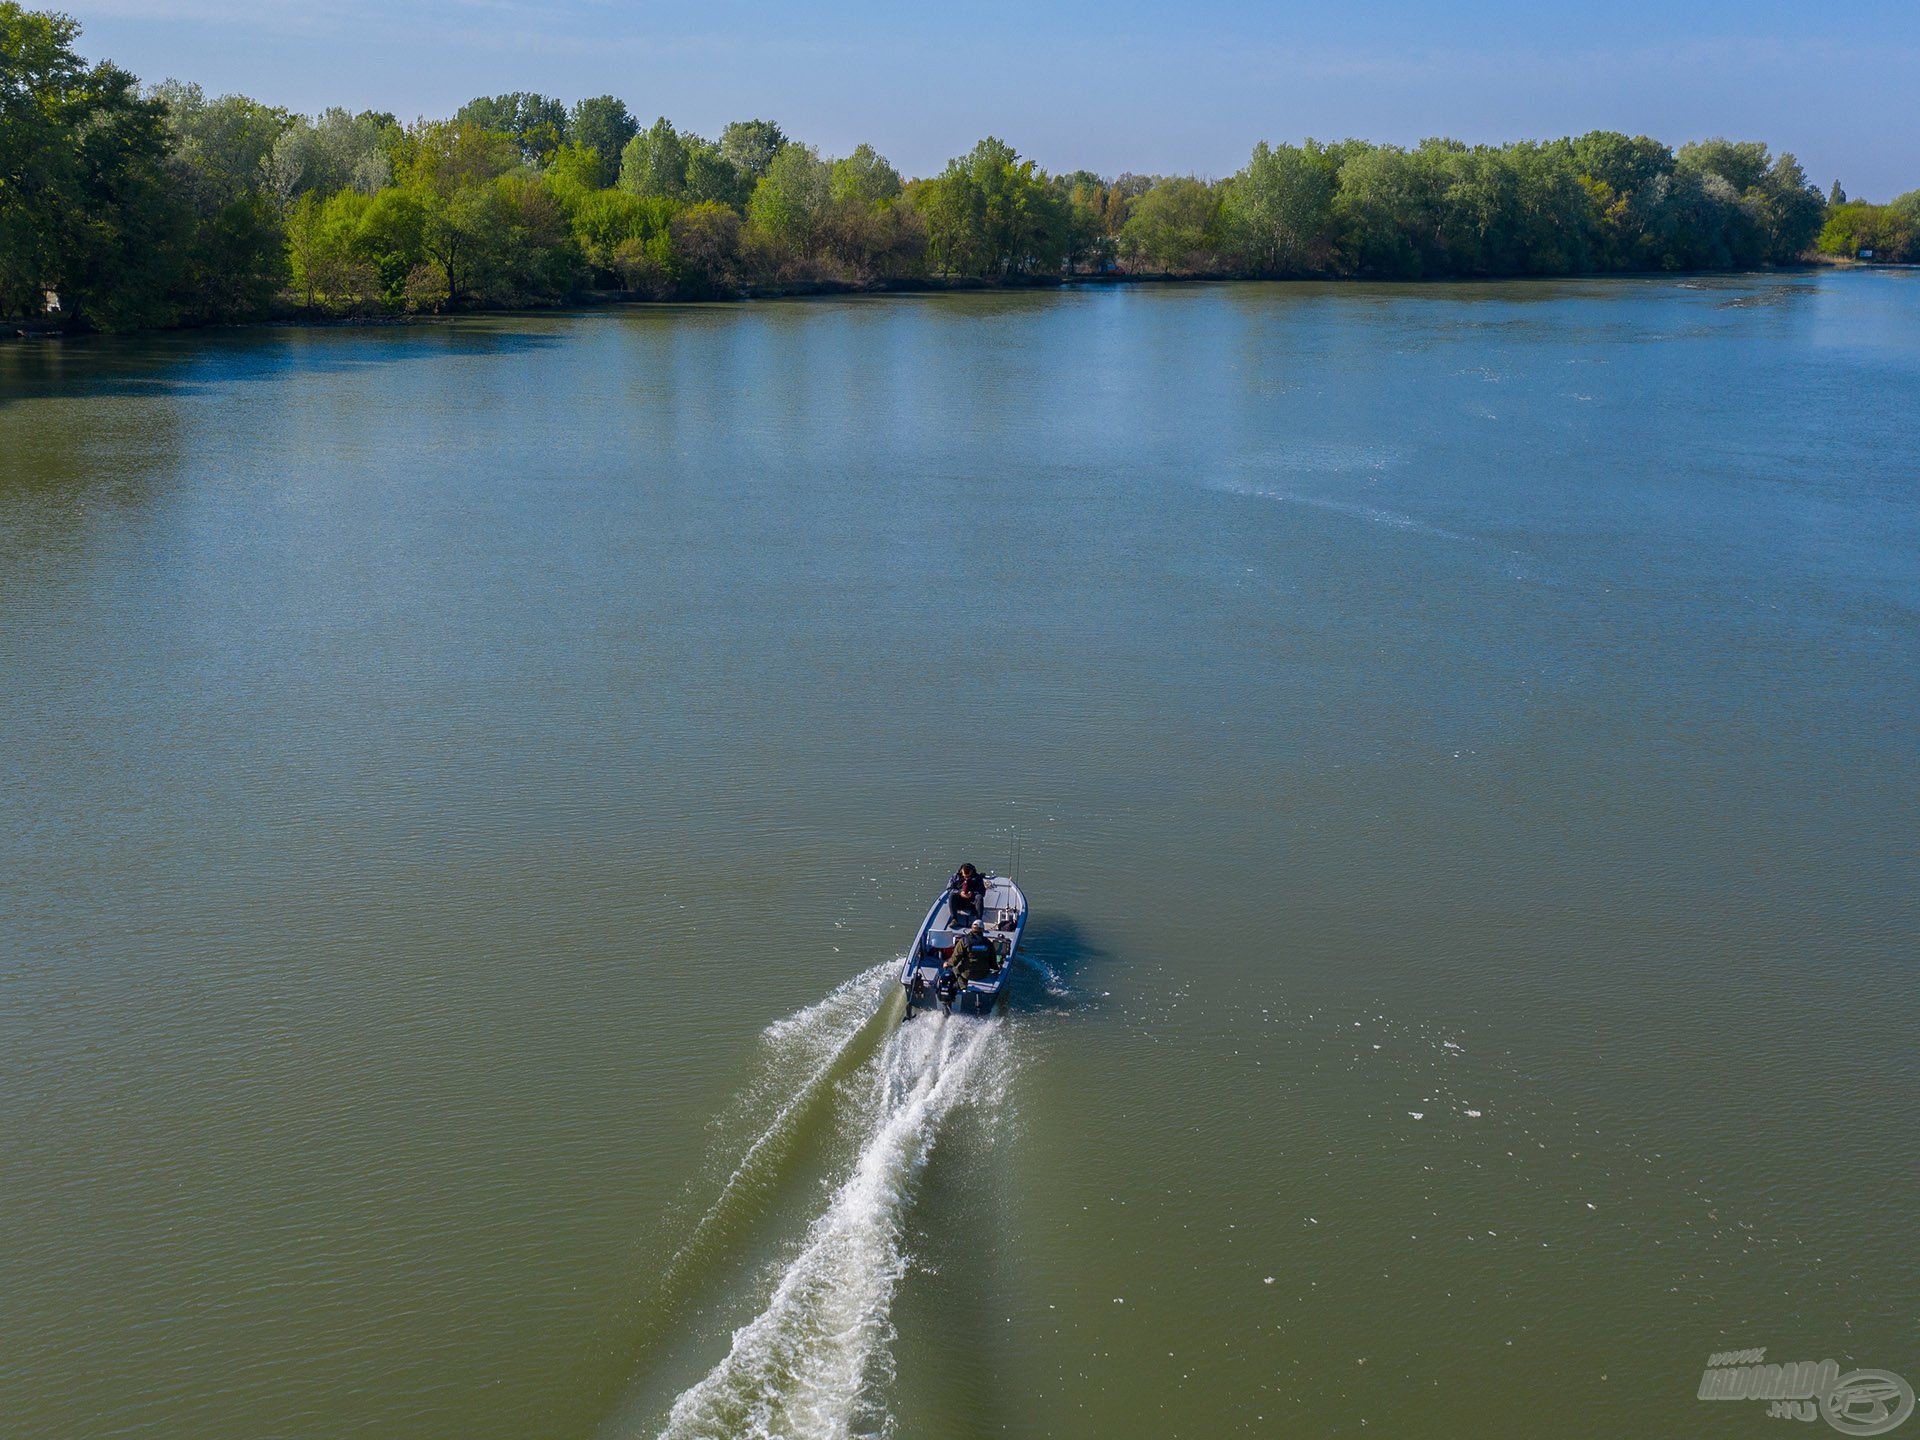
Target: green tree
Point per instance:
(86, 207)
(334, 266)
(705, 246)
(304, 248)
(1553, 218)
(953, 211)
(1174, 228)
(1277, 214)
(1472, 206)
(607, 221)
(1695, 221)
(335, 151)
(1741, 163)
(712, 178)
(603, 125)
(991, 213)
(1786, 212)
(1096, 213)
(792, 196)
(385, 233)
(865, 178)
(1791, 210)
(448, 166)
(868, 244)
(575, 169)
(1383, 211)
(750, 145)
(442, 156)
(655, 162)
(1891, 232)
(537, 124)
(224, 145)
(530, 255)
(233, 257)
(1626, 165)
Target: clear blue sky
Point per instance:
(1128, 85)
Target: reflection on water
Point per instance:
(464, 783)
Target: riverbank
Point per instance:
(924, 285)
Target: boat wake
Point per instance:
(806, 1366)
(805, 1052)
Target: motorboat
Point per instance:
(940, 971)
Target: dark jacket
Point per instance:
(975, 957)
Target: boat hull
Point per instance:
(1005, 915)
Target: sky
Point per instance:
(1124, 85)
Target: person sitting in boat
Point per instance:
(975, 956)
(966, 893)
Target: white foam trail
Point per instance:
(853, 997)
(811, 1041)
(797, 1371)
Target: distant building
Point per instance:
(1866, 252)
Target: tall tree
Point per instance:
(792, 196)
(992, 213)
(603, 124)
(335, 151)
(85, 202)
(1277, 214)
(712, 178)
(1174, 227)
(1785, 210)
(447, 167)
(234, 259)
(1383, 209)
(865, 178)
(751, 145)
(1626, 165)
(537, 124)
(655, 162)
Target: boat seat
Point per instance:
(940, 942)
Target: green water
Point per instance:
(1462, 743)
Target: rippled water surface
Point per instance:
(463, 782)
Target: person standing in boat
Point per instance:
(966, 893)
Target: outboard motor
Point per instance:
(947, 989)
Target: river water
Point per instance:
(464, 782)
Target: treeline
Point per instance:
(1879, 232)
(165, 206)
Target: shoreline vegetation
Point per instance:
(585, 301)
(123, 207)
